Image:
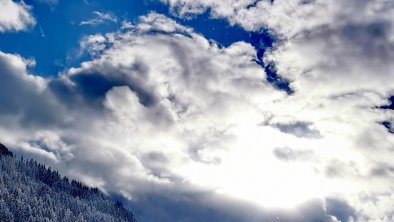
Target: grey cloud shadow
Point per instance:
(168, 207)
(298, 129)
(288, 154)
(339, 169)
(156, 162)
(361, 41)
(89, 87)
(382, 170)
(21, 97)
(340, 209)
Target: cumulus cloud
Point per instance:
(32, 104)
(284, 17)
(93, 44)
(337, 57)
(15, 16)
(101, 18)
(162, 110)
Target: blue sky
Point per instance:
(58, 32)
(54, 41)
(203, 110)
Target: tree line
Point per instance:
(30, 191)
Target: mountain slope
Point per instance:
(32, 192)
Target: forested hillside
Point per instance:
(30, 191)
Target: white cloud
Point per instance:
(284, 17)
(157, 22)
(101, 18)
(93, 44)
(15, 16)
(338, 57)
(160, 108)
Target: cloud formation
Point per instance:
(337, 57)
(101, 18)
(15, 16)
(162, 110)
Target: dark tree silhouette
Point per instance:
(4, 151)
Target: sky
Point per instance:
(208, 110)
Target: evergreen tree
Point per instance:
(30, 191)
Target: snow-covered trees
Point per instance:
(29, 191)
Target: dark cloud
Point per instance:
(193, 207)
(341, 210)
(81, 90)
(92, 86)
(289, 154)
(299, 129)
(152, 208)
(369, 42)
(340, 169)
(156, 162)
(382, 170)
(25, 95)
(89, 87)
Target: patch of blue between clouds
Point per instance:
(254, 4)
(390, 106)
(223, 33)
(388, 126)
(53, 42)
